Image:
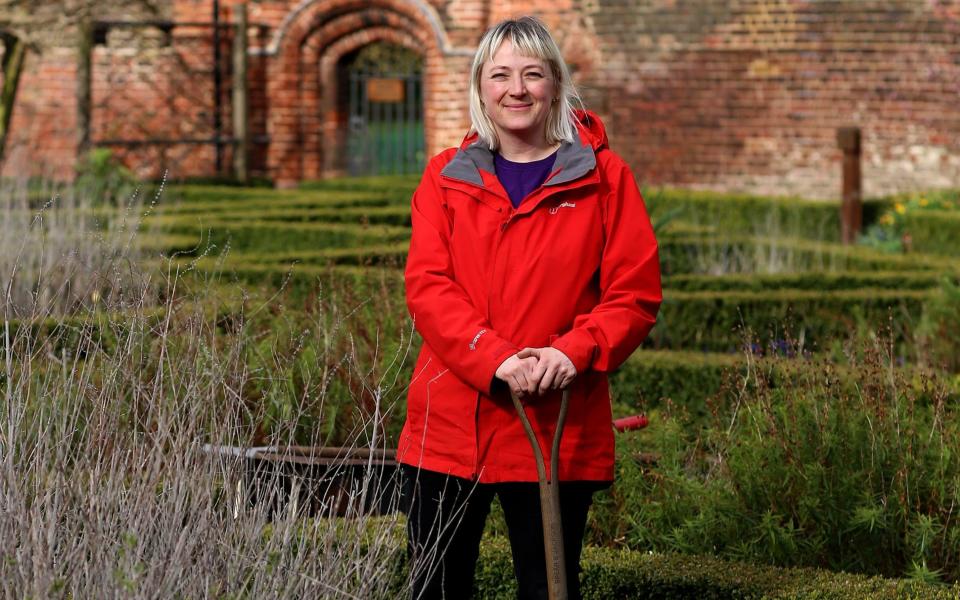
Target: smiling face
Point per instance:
(517, 93)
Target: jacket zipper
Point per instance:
(476, 441)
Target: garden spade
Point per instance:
(550, 500)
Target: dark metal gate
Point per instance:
(386, 123)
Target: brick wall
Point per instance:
(740, 95)
(747, 95)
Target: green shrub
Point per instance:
(936, 232)
(726, 254)
(810, 280)
(918, 222)
(649, 377)
(609, 573)
(397, 186)
(704, 321)
(741, 213)
(191, 199)
(398, 216)
(392, 255)
(853, 470)
(265, 236)
(103, 180)
(714, 321)
(939, 330)
(624, 574)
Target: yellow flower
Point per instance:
(886, 219)
(924, 202)
(900, 208)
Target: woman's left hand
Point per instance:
(554, 370)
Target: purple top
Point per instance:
(521, 178)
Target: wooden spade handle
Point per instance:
(550, 499)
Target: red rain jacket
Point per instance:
(574, 267)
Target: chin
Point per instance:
(522, 125)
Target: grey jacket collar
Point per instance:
(573, 161)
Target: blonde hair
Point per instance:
(529, 37)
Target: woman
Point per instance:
(532, 268)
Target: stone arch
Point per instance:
(300, 92)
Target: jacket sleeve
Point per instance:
(442, 312)
(630, 293)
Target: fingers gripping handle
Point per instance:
(550, 499)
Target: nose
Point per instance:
(517, 87)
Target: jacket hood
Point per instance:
(591, 129)
(573, 160)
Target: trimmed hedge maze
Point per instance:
(740, 272)
(762, 306)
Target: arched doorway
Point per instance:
(382, 93)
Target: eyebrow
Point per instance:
(525, 67)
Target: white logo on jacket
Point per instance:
(476, 338)
(556, 208)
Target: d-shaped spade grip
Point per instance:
(550, 499)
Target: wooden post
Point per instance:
(241, 107)
(84, 84)
(14, 53)
(851, 208)
(217, 90)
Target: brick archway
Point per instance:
(302, 81)
(331, 141)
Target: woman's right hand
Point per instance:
(517, 373)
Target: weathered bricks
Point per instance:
(742, 95)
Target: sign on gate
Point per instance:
(386, 123)
(381, 89)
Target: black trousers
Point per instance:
(445, 520)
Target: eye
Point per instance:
(535, 75)
(498, 76)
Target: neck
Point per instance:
(517, 149)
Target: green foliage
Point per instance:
(927, 222)
(714, 321)
(622, 573)
(649, 378)
(707, 253)
(101, 179)
(215, 236)
(339, 363)
(383, 57)
(934, 231)
(939, 329)
(809, 280)
(625, 574)
(742, 213)
(701, 320)
(794, 462)
(853, 471)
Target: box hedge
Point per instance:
(265, 236)
(194, 200)
(810, 280)
(706, 321)
(610, 573)
(724, 254)
(716, 321)
(745, 213)
(624, 574)
(935, 231)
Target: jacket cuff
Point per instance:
(579, 347)
(488, 379)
